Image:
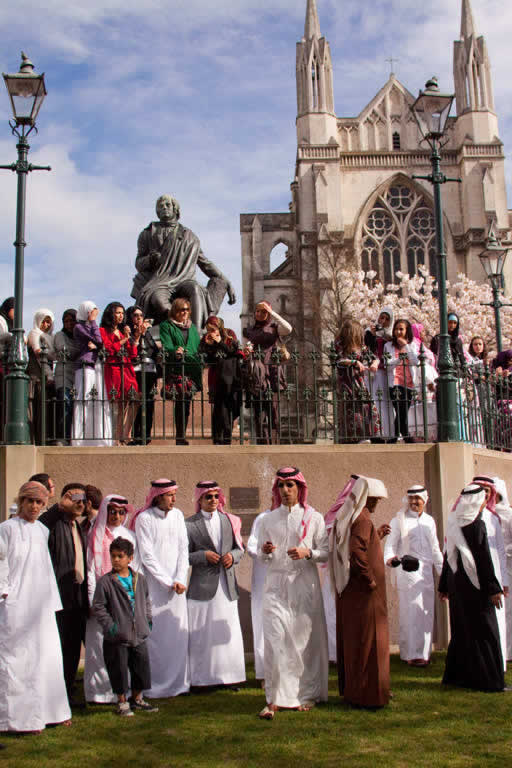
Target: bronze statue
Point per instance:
(167, 256)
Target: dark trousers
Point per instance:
(64, 407)
(71, 624)
(181, 414)
(401, 397)
(151, 378)
(121, 659)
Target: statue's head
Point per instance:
(167, 208)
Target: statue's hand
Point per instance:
(231, 294)
(155, 259)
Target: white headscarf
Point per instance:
(339, 541)
(385, 333)
(36, 334)
(83, 310)
(464, 512)
(414, 490)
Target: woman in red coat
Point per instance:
(120, 377)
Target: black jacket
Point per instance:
(112, 608)
(62, 552)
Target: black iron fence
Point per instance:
(311, 397)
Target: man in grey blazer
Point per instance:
(215, 545)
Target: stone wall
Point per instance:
(443, 468)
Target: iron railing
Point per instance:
(311, 407)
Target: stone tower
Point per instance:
(353, 192)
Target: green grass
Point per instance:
(426, 724)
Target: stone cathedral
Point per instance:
(353, 188)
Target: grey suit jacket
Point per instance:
(204, 579)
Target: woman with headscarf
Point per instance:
(222, 354)
(265, 376)
(66, 352)
(182, 372)
(375, 338)
(6, 326)
(292, 541)
(413, 549)
(92, 421)
(32, 688)
(110, 523)
(146, 370)
(456, 346)
(120, 381)
(468, 581)
(427, 368)
(505, 514)
(40, 339)
(358, 576)
(216, 647)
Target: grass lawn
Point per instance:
(425, 725)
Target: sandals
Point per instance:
(266, 713)
(306, 707)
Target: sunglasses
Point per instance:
(210, 496)
(114, 511)
(288, 484)
(78, 497)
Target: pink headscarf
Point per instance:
(158, 488)
(331, 514)
(293, 473)
(211, 485)
(33, 490)
(100, 537)
(417, 329)
(488, 482)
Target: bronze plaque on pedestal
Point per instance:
(244, 499)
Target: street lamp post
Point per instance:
(493, 261)
(431, 110)
(26, 91)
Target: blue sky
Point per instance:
(195, 98)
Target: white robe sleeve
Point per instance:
(283, 326)
(320, 547)
(183, 561)
(147, 558)
(500, 548)
(263, 536)
(437, 555)
(4, 562)
(392, 544)
(91, 583)
(252, 543)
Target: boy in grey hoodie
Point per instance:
(122, 607)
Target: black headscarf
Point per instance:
(68, 313)
(5, 309)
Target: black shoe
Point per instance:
(181, 441)
(139, 705)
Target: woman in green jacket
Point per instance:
(182, 369)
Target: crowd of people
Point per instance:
(153, 595)
(96, 374)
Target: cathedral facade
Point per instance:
(353, 194)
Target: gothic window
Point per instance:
(399, 234)
(396, 140)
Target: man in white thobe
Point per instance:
(497, 549)
(162, 546)
(413, 533)
(259, 570)
(32, 688)
(292, 541)
(505, 512)
(215, 546)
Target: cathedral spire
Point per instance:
(312, 25)
(467, 24)
(471, 67)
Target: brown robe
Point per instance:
(362, 621)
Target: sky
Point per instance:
(197, 99)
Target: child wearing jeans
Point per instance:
(122, 607)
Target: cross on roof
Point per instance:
(392, 61)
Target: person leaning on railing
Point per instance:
(66, 352)
(120, 380)
(223, 356)
(263, 374)
(146, 370)
(6, 325)
(182, 367)
(402, 367)
(40, 340)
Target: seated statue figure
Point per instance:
(167, 256)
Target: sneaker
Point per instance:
(142, 706)
(124, 710)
